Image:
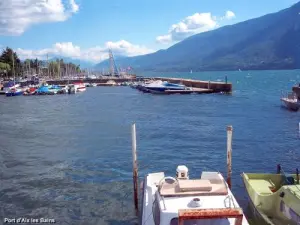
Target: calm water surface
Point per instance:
(68, 157)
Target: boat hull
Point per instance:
(291, 105)
(81, 89)
(10, 94)
(265, 197)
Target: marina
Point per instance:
(165, 86)
(93, 161)
(150, 113)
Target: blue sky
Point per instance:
(84, 29)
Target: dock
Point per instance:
(191, 91)
(196, 86)
(200, 86)
(193, 86)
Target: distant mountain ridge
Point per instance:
(268, 42)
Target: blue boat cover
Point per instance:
(43, 89)
(9, 84)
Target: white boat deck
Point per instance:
(166, 203)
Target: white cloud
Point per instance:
(197, 23)
(229, 15)
(94, 54)
(18, 15)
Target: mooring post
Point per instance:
(229, 154)
(297, 176)
(135, 167)
(278, 169)
(226, 79)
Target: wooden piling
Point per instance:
(135, 167)
(297, 176)
(229, 154)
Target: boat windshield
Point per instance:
(174, 221)
(288, 180)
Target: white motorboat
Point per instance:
(80, 87)
(180, 200)
(291, 102)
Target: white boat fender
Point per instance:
(194, 203)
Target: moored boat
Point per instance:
(30, 91)
(80, 87)
(276, 197)
(180, 200)
(158, 87)
(14, 92)
(43, 90)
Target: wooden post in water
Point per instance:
(229, 154)
(135, 167)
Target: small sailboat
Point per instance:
(276, 197)
(14, 90)
(191, 71)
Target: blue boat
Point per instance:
(14, 92)
(43, 90)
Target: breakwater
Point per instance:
(213, 86)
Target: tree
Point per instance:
(4, 68)
(10, 57)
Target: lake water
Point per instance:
(68, 157)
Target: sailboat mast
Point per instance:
(13, 64)
(47, 66)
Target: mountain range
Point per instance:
(268, 42)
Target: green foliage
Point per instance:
(11, 58)
(9, 62)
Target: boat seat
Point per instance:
(194, 185)
(262, 186)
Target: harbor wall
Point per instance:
(212, 85)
